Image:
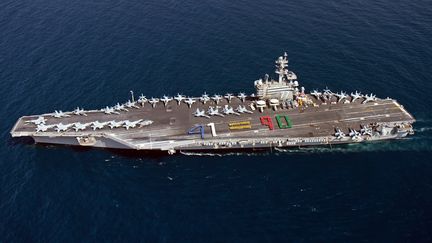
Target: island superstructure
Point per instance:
(280, 114)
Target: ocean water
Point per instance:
(58, 54)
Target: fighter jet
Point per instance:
(153, 101)
(189, 101)
(199, 113)
(128, 124)
(119, 107)
(79, 126)
(355, 96)
(98, 125)
(38, 121)
(165, 99)
(142, 100)
(214, 111)
(113, 124)
(368, 98)
(341, 96)
(216, 98)
(339, 134)
(316, 94)
(130, 104)
(327, 93)
(243, 109)
(43, 128)
(227, 110)
(109, 110)
(145, 123)
(366, 130)
(62, 127)
(354, 134)
(242, 97)
(204, 98)
(79, 112)
(60, 114)
(179, 98)
(229, 97)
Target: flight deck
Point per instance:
(280, 114)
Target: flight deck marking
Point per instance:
(287, 121)
(213, 129)
(199, 129)
(267, 121)
(239, 125)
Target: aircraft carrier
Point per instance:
(279, 114)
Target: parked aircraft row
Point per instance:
(78, 126)
(227, 110)
(190, 100)
(354, 134)
(342, 96)
(153, 102)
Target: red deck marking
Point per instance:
(267, 121)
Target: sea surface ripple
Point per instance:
(58, 54)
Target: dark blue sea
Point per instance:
(59, 54)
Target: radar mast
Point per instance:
(282, 67)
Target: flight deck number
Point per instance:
(283, 122)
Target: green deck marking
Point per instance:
(281, 124)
